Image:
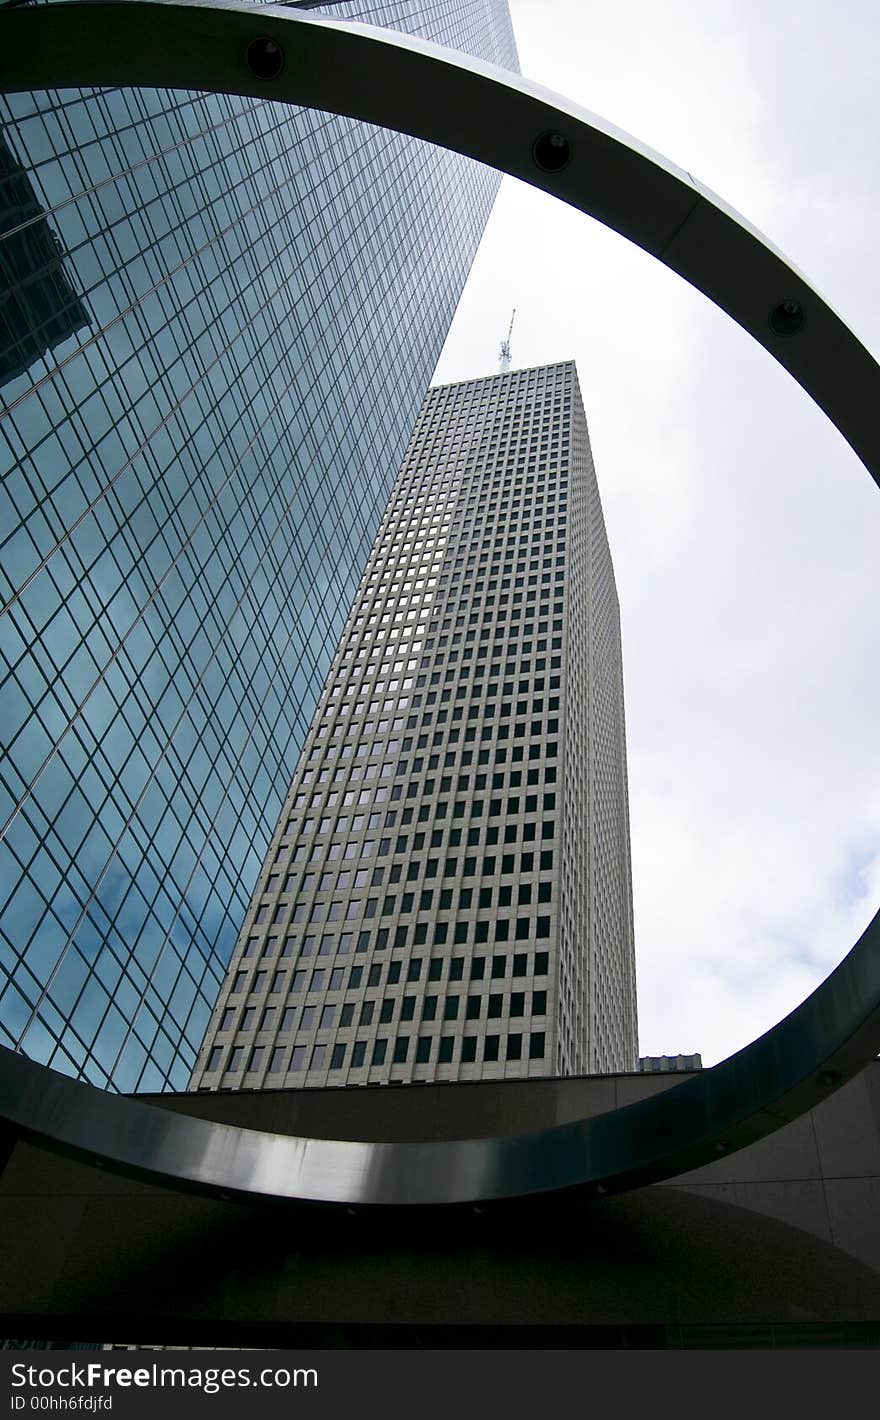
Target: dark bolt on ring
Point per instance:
(551, 152)
(787, 317)
(265, 57)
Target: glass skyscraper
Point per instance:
(218, 321)
(448, 892)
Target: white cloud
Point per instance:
(744, 531)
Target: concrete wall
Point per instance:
(781, 1240)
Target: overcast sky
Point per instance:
(745, 533)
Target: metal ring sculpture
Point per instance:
(509, 123)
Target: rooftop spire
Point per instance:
(504, 353)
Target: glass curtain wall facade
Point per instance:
(219, 318)
(448, 892)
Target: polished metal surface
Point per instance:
(510, 123)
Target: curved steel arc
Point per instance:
(488, 113)
(497, 118)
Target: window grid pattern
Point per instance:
(425, 909)
(225, 316)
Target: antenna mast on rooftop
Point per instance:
(504, 354)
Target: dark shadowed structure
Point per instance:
(777, 1244)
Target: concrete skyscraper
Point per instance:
(218, 318)
(447, 894)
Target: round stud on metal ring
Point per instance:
(551, 152)
(492, 116)
(265, 57)
(786, 317)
